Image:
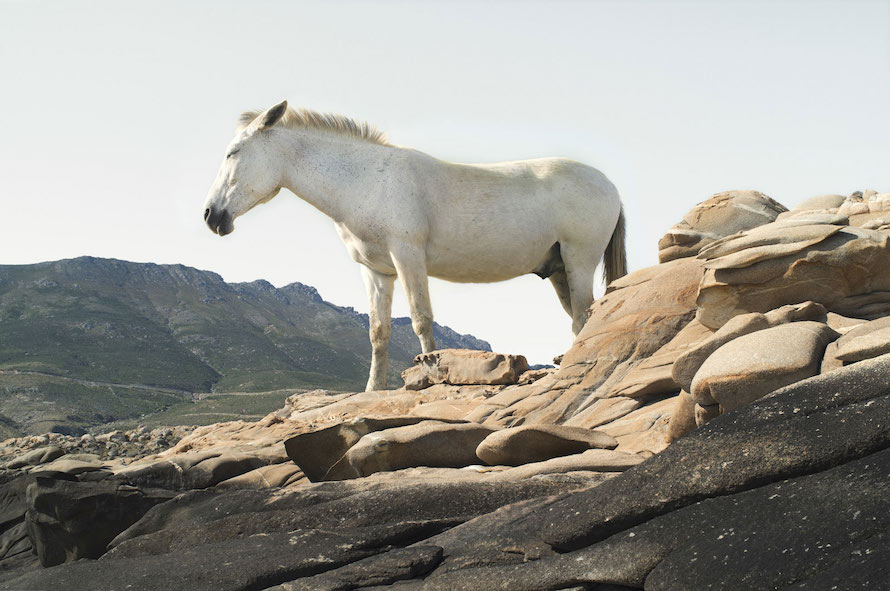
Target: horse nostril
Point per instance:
(206, 214)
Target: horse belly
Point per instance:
(486, 260)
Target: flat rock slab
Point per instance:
(463, 367)
(253, 562)
(536, 443)
(381, 569)
(771, 537)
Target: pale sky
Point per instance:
(114, 117)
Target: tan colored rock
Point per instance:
(536, 443)
(448, 410)
(383, 403)
(766, 242)
(722, 215)
(72, 465)
(463, 367)
(315, 452)
(842, 324)
(814, 217)
(686, 366)
(644, 430)
(223, 467)
(533, 375)
(683, 417)
(271, 476)
(830, 362)
(428, 443)
(871, 339)
(848, 272)
(755, 364)
(605, 410)
(653, 375)
(820, 202)
(705, 413)
(593, 460)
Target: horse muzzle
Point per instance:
(219, 221)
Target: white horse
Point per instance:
(403, 213)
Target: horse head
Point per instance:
(249, 175)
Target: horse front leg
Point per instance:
(411, 267)
(379, 287)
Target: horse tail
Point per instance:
(615, 257)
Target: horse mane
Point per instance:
(309, 119)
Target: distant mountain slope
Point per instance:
(74, 332)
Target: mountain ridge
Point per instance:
(174, 327)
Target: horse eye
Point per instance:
(232, 153)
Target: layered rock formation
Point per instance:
(720, 422)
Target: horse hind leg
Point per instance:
(580, 266)
(561, 284)
(411, 267)
(553, 268)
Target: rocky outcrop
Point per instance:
(722, 215)
(768, 483)
(843, 267)
(720, 422)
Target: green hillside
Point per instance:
(87, 341)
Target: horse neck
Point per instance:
(327, 169)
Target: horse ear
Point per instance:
(273, 115)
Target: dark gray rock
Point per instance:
(865, 565)
(16, 554)
(252, 562)
(200, 517)
(761, 539)
(382, 569)
(15, 566)
(800, 429)
(71, 520)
